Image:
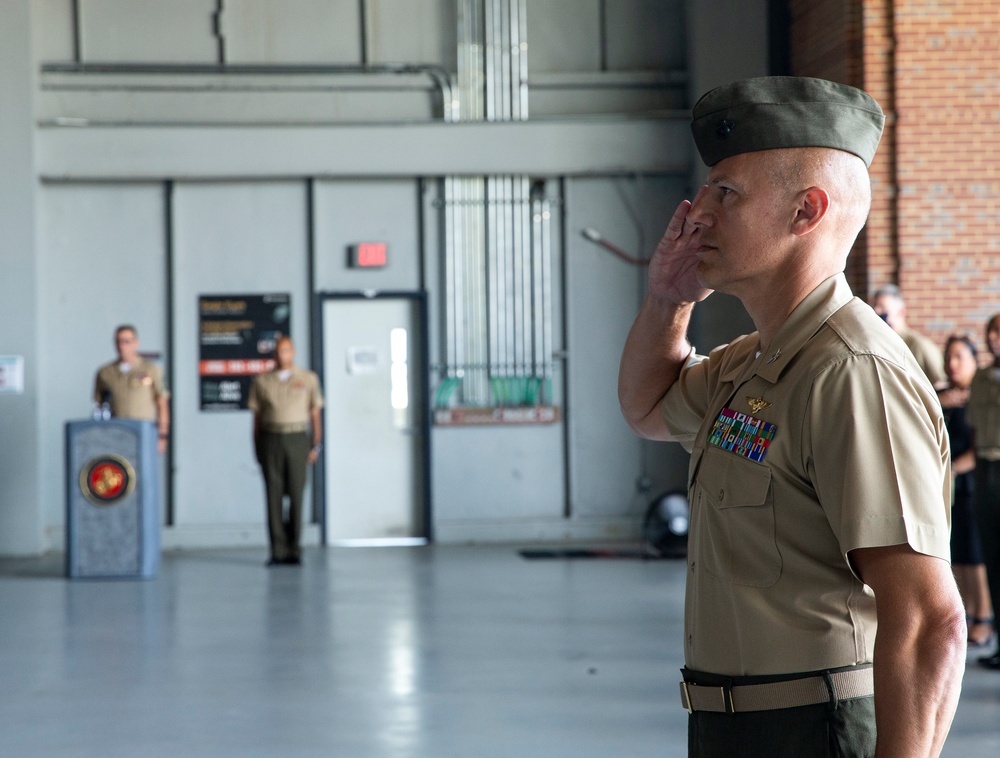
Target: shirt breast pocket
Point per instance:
(737, 527)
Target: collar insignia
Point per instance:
(773, 358)
(757, 404)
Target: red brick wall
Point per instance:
(935, 222)
(948, 105)
(826, 41)
(881, 232)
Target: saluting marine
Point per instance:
(819, 475)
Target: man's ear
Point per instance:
(810, 209)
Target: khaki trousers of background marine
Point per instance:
(283, 459)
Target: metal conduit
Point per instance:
(497, 279)
(440, 77)
(538, 357)
(547, 343)
(526, 268)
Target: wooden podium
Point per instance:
(112, 513)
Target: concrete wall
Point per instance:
(152, 185)
(20, 448)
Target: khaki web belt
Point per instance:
(848, 684)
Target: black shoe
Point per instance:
(283, 562)
(990, 661)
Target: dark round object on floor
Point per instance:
(665, 527)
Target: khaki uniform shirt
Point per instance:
(929, 356)
(134, 393)
(832, 440)
(983, 412)
(285, 406)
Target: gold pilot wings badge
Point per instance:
(757, 404)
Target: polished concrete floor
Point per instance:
(426, 652)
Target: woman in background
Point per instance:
(960, 362)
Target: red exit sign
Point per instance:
(369, 255)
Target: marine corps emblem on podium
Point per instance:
(107, 479)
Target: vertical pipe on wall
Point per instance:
(478, 248)
(520, 273)
(494, 278)
(168, 245)
(522, 58)
(476, 55)
(363, 23)
(459, 265)
(536, 281)
(465, 276)
(505, 59)
(515, 60)
(517, 268)
(217, 29)
(315, 349)
(547, 296)
(75, 20)
(529, 314)
(469, 79)
(602, 31)
(488, 61)
(510, 291)
(451, 277)
(469, 252)
(503, 253)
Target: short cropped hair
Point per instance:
(888, 290)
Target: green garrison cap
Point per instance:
(773, 112)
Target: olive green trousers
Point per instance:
(284, 458)
(844, 729)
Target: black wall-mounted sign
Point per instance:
(237, 336)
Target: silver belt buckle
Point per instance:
(724, 696)
(686, 697)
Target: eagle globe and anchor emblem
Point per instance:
(107, 479)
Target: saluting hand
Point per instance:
(673, 266)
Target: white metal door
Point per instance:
(372, 419)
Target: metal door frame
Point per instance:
(421, 395)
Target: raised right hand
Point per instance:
(673, 268)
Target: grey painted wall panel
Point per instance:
(102, 258)
(646, 34)
(292, 31)
(564, 35)
(413, 32)
(603, 294)
(229, 238)
(52, 30)
(20, 453)
(567, 101)
(493, 473)
(148, 31)
(347, 212)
